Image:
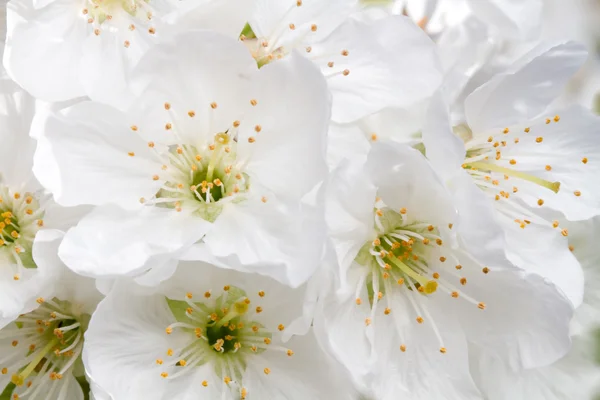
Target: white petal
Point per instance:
(275, 239)
(51, 37)
(288, 156)
(111, 242)
(444, 149)
(271, 19)
(405, 179)
(526, 89)
(210, 78)
(16, 147)
(19, 296)
(525, 321)
(516, 19)
(227, 17)
(122, 342)
(378, 77)
(422, 372)
(350, 201)
(563, 146)
(545, 251)
(83, 157)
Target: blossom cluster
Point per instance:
(296, 199)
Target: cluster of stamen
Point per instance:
(223, 330)
(21, 219)
(99, 15)
(200, 177)
(500, 176)
(410, 256)
(43, 348)
(266, 50)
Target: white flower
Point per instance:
(41, 349)
(577, 375)
(411, 297)
(211, 149)
(28, 214)
(526, 160)
(368, 66)
(62, 49)
(221, 335)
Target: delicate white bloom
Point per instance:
(368, 65)
(62, 49)
(41, 349)
(526, 161)
(25, 209)
(219, 335)
(411, 296)
(577, 375)
(211, 149)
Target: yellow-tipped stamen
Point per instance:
(554, 186)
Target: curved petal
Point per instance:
(89, 155)
(271, 18)
(111, 242)
(443, 148)
(288, 154)
(17, 108)
(349, 211)
(545, 251)
(526, 89)
(211, 79)
(525, 320)
(377, 76)
(562, 148)
(18, 296)
(51, 37)
(227, 17)
(517, 19)
(405, 179)
(422, 371)
(121, 345)
(272, 238)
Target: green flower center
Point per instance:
(44, 346)
(21, 218)
(203, 179)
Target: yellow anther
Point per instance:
(443, 350)
(402, 348)
(463, 281)
(267, 371)
(481, 306)
(420, 320)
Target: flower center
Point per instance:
(100, 13)
(408, 257)
(21, 219)
(43, 347)
(401, 251)
(224, 330)
(202, 180)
